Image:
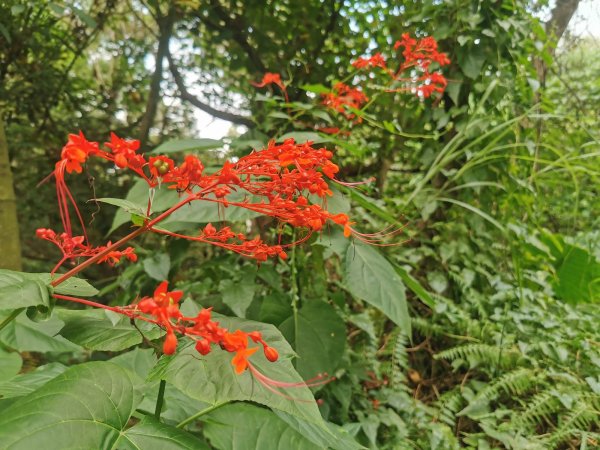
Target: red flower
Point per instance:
(272, 78)
(76, 152)
(343, 97)
(377, 60)
(123, 150)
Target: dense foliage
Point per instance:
(449, 288)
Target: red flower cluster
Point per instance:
(73, 247)
(344, 96)
(163, 306)
(276, 180)
(418, 55)
(377, 60)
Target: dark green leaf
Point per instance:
(28, 382)
(158, 266)
(319, 338)
(247, 427)
(94, 330)
(370, 277)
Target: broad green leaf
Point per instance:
(200, 212)
(94, 330)
(275, 308)
(20, 290)
(303, 136)
(24, 335)
(10, 364)
(149, 434)
(158, 266)
(370, 277)
(238, 295)
(212, 378)
(10, 278)
(187, 145)
(333, 437)
(26, 383)
(176, 405)
(578, 275)
(72, 286)
(242, 426)
(471, 61)
(319, 338)
(87, 406)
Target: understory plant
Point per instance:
(291, 182)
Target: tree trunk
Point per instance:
(165, 25)
(10, 244)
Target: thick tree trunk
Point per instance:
(10, 244)
(165, 25)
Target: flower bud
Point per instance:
(271, 354)
(203, 347)
(170, 344)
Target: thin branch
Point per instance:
(192, 99)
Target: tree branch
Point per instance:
(192, 99)
(165, 26)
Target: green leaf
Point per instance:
(10, 364)
(150, 434)
(22, 290)
(138, 195)
(334, 437)
(212, 378)
(578, 275)
(93, 329)
(125, 205)
(415, 287)
(84, 17)
(5, 33)
(187, 145)
(319, 339)
(238, 295)
(28, 382)
(87, 406)
(316, 88)
(247, 427)
(471, 61)
(303, 136)
(24, 335)
(201, 212)
(158, 266)
(370, 277)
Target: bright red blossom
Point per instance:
(377, 60)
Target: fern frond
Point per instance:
(449, 404)
(573, 424)
(482, 355)
(542, 406)
(516, 382)
(399, 359)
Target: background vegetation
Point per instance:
(480, 331)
